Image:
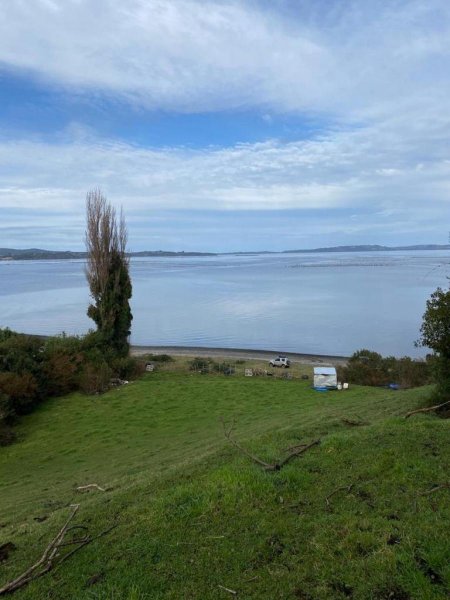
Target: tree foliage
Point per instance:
(107, 272)
(435, 330)
(435, 334)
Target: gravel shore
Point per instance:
(239, 353)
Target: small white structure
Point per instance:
(249, 372)
(325, 377)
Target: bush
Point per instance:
(163, 358)
(21, 353)
(365, 367)
(95, 377)
(440, 367)
(21, 390)
(224, 368)
(7, 435)
(127, 367)
(201, 364)
(62, 373)
(6, 333)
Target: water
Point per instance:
(316, 303)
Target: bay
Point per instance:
(323, 303)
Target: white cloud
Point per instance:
(370, 169)
(196, 55)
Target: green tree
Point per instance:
(107, 272)
(435, 334)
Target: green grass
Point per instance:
(194, 514)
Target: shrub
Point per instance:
(127, 367)
(95, 377)
(7, 413)
(440, 367)
(21, 389)
(21, 353)
(365, 367)
(6, 334)
(224, 367)
(62, 373)
(7, 435)
(163, 358)
(201, 364)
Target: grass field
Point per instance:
(196, 516)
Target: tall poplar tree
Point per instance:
(107, 272)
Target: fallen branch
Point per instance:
(338, 489)
(267, 466)
(51, 557)
(442, 486)
(44, 563)
(425, 410)
(227, 434)
(291, 448)
(228, 590)
(281, 464)
(90, 486)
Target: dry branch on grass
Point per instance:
(52, 557)
(225, 589)
(429, 409)
(90, 486)
(299, 449)
(295, 447)
(441, 486)
(338, 489)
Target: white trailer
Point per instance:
(325, 377)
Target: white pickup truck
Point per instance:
(280, 361)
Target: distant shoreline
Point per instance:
(11, 254)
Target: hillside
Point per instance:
(347, 519)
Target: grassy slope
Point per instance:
(194, 514)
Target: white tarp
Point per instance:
(325, 377)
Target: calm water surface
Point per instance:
(318, 303)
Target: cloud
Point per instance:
(346, 58)
(391, 177)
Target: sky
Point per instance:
(230, 125)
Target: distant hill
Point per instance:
(373, 248)
(39, 254)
